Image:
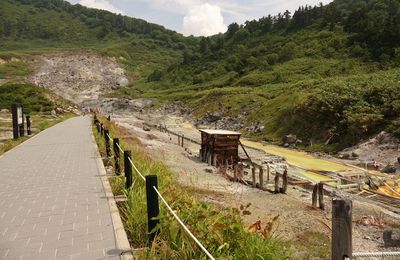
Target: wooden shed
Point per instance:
(219, 147)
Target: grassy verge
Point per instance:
(219, 229)
(39, 122)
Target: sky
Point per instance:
(197, 17)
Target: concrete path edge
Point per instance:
(121, 238)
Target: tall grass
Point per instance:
(219, 229)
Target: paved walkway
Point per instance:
(52, 201)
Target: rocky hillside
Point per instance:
(78, 77)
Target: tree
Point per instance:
(232, 29)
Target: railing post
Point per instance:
(128, 169)
(341, 229)
(116, 156)
(284, 181)
(28, 125)
(321, 195)
(179, 140)
(153, 209)
(107, 141)
(261, 177)
(183, 137)
(276, 183)
(253, 176)
(314, 197)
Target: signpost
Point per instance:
(18, 120)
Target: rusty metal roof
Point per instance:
(218, 132)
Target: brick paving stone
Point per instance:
(52, 202)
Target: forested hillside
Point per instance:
(326, 73)
(329, 74)
(41, 25)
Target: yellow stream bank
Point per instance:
(307, 165)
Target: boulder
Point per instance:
(213, 117)
(146, 128)
(389, 169)
(289, 139)
(345, 156)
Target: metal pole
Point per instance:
(128, 169)
(116, 156)
(153, 209)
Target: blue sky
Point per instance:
(197, 17)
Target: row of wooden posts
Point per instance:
(341, 209)
(152, 201)
(181, 137)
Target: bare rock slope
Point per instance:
(78, 77)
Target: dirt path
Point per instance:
(297, 220)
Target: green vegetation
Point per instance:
(141, 46)
(220, 230)
(32, 97)
(328, 74)
(12, 70)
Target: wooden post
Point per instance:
(128, 169)
(16, 113)
(107, 141)
(209, 158)
(183, 137)
(235, 170)
(314, 196)
(261, 177)
(276, 183)
(117, 166)
(253, 175)
(342, 247)
(268, 170)
(28, 125)
(153, 208)
(284, 182)
(321, 195)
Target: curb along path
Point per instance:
(52, 201)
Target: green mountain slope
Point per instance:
(329, 74)
(45, 25)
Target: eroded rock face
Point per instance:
(382, 150)
(78, 77)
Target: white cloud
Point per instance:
(204, 19)
(100, 4)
